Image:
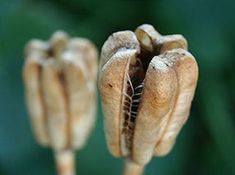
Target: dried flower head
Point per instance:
(147, 82)
(60, 81)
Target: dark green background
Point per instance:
(207, 143)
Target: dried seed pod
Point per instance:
(141, 90)
(60, 81)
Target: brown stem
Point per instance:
(65, 162)
(131, 168)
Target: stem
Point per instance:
(131, 168)
(65, 162)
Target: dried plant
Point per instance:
(147, 83)
(60, 81)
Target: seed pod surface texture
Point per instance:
(60, 81)
(147, 83)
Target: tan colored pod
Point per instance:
(140, 91)
(60, 82)
(34, 98)
(112, 85)
(160, 86)
(56, 104)
(187, 74)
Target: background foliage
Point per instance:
(206, 146)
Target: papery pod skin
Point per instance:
(118, 41)
(169, 42)
(114, 63)
(160, 86)
(111, 87)
(56, 105)
(187, 73)
(36, 107)
(147, 37)
(80, 121)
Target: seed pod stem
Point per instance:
(65, 162)
(131, 168)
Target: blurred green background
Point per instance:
(207, 143)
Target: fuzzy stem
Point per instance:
(131, 168)
(65, 162)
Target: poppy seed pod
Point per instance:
(147, 83)
(60, 88)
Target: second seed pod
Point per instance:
(60, 87)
